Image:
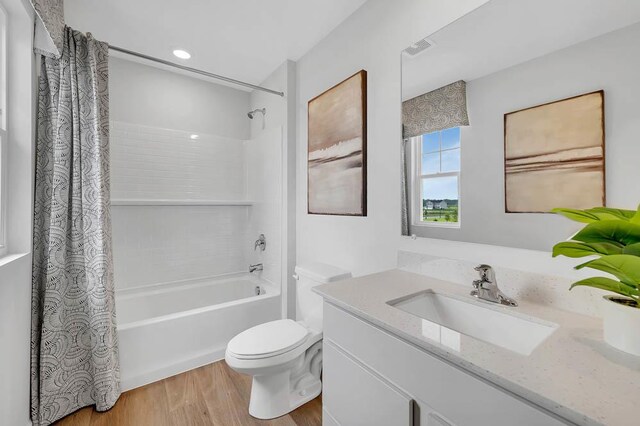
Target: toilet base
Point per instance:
(274, 395)
(271, 396)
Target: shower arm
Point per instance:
(252, 114)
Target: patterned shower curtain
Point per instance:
(74, 345)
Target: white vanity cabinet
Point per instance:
(356, 396)
(371, 377)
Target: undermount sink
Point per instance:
(446, 317)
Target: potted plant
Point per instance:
(613, 236)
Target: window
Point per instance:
(3, 129)
(437, 183)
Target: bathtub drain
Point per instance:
(258, 290)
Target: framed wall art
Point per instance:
(337, 149)
(555, 155)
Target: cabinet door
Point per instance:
(461, 398)
(327, 418)
(352, 395)
(434, 419)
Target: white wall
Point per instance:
(147, 95)
(15, 269)
(371, 39)
(280, 115)
(15, 328)
(154, 112)
(562, 74)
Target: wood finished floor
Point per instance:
(210, 395)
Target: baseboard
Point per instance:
(172, 369)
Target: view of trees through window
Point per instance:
(440, 175)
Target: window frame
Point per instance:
(418, 180)
(3, 191)
(4, 139)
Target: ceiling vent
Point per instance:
(419, 47)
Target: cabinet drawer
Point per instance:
(462, 398)
(354, 396)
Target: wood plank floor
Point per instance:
(210, 395)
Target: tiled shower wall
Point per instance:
(265, 189)
(154, 163)
(154, 244)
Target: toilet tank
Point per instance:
(308, 303)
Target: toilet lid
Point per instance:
(269, 339)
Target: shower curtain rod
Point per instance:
(195, 70)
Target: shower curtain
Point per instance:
(74, 345)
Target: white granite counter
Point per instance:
(573, 373)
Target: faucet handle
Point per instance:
(486, 272)
(489, 286)
(260, 242)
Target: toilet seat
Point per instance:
(268, 340)
(284, 357)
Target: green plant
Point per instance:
(613, 235)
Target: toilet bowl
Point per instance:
(285, 356)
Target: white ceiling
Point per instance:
(503, 33)
(245, 40)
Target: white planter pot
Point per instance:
(622, 325)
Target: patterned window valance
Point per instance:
(439, 109)
(49, 37)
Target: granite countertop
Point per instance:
(573, 373)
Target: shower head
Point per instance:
(252, 114)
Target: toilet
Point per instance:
(285, 356)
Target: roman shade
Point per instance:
(439, 109)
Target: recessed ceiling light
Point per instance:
(182, 54)
(194, 137)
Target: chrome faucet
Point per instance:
(256, 267)
(260, 242)
(486, 288)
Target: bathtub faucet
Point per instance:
(256, 267)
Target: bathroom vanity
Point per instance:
(427, 353)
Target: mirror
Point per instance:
(506, 114)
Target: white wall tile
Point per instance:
(264, 186)
(154, 163)
(154, 244)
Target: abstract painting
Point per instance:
(554, 155)
(337, 161)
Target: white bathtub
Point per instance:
(167, 329)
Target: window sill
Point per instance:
(10, 258)
(437, 225)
